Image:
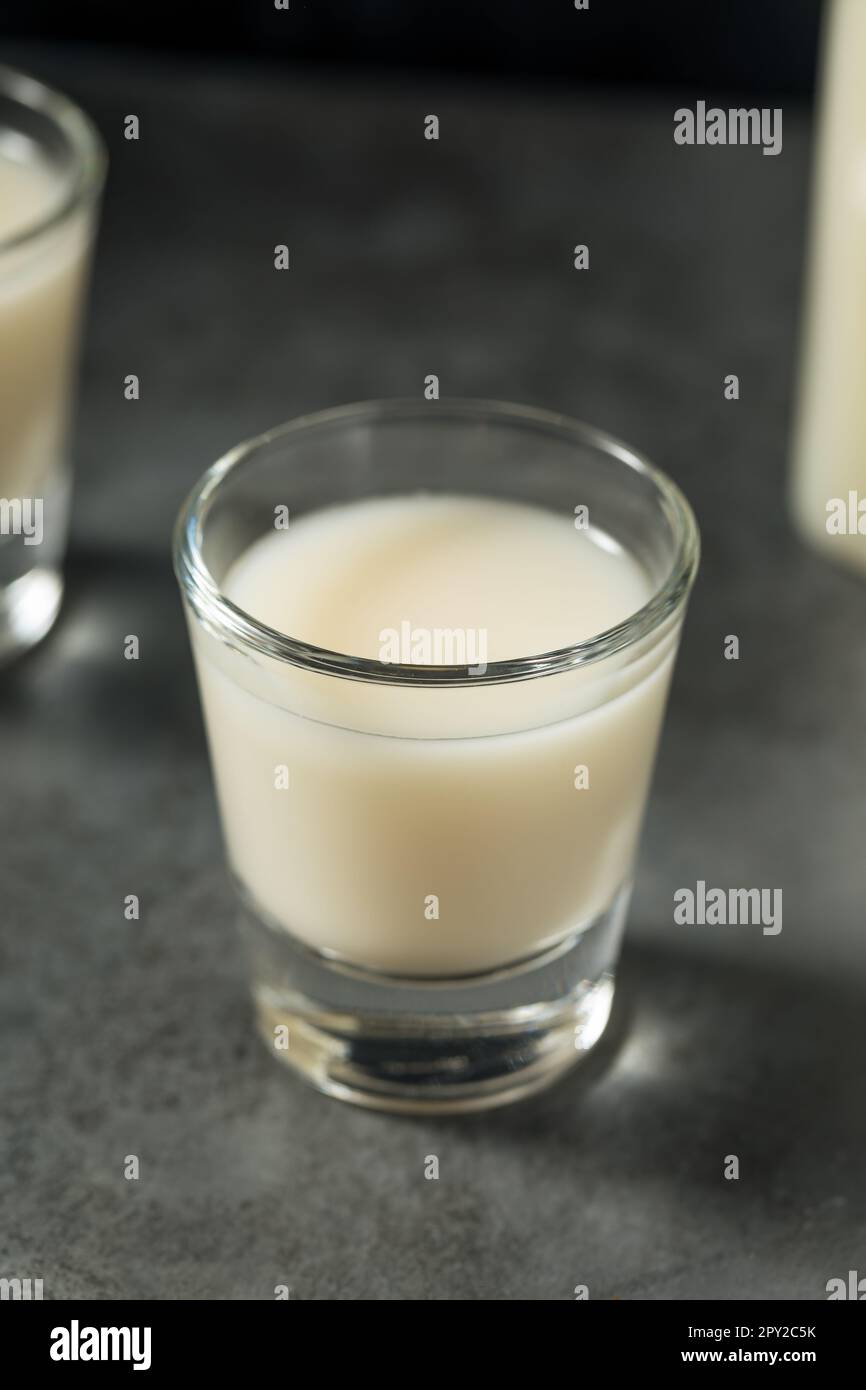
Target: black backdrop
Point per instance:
(766, 45)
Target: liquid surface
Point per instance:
(526, 578)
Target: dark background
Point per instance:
(766, 45)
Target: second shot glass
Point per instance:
(52, 168)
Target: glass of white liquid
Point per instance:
(433, 643)
(51, 174)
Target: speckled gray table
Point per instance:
(123, 1038)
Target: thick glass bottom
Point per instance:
(434, 1045)
(28, 608)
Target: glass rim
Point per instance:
(86, 144)
(233, 624)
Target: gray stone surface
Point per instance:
(119, 1038)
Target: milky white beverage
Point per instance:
(40, 292)
(433, 831)
(51, 169)
(829, 484)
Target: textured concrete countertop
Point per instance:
(119, 1038)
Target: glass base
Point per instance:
(434, 1046)
(28, 608)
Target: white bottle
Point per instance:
(829, 464)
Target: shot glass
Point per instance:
(52, 169)
(355, 792)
